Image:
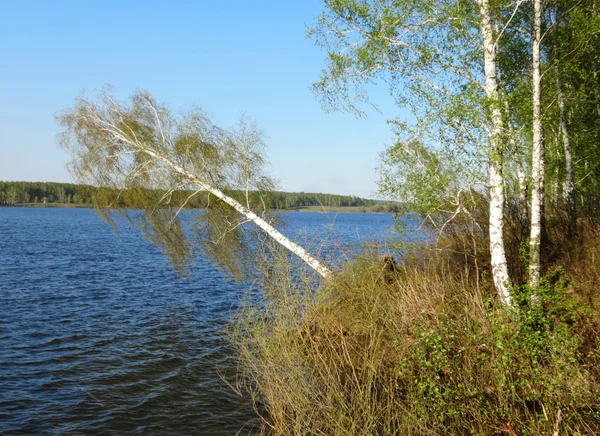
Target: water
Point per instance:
(98, 335)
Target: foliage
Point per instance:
(140, 153)
(429, 56)
(573, 50)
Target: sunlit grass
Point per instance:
(423, 349)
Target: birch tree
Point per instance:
(138, 154)
(537, 159)
(496, 165)
(569, 183)
(440, 59)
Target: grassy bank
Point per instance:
(424, 348)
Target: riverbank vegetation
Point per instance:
(425, 347)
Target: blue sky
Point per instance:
(228, 57)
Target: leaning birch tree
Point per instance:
(140, 156)
(440, 59)
(496, 161)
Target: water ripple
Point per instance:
(99, 336)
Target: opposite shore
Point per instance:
(324, 209)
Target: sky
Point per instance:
(228, 57)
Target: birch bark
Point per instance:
(537, 159)
(496, 179)
(522, 180)
(569, 186)
(311, 261)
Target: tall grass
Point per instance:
(423, 348)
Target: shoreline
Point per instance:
(322, 209)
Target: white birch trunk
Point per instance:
(569, 186)
(537, 159)
(264, 225)
(523, 207)
(522, 196)
(139, 146)
(496, 181)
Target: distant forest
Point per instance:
(28, 193)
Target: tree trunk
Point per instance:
(264, 225)
(496, 179)
(537, 160)
(522, 179)
(522, 203)
(569, 186)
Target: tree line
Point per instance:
(17, 193)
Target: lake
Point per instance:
(98, 334)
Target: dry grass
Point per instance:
(423, 349)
